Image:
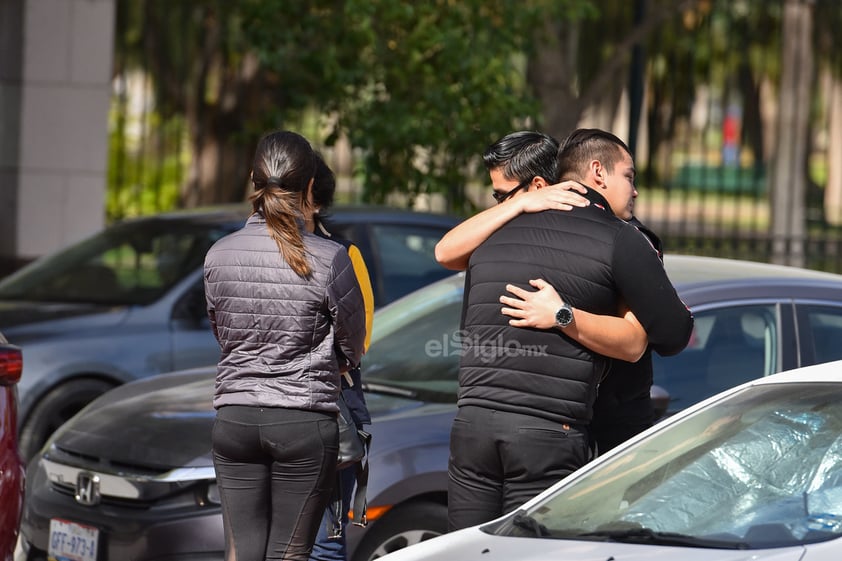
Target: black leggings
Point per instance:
(275, 469)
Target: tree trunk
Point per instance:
(752, 126)
(552, 74)
(222, 149)
(833, 191)
(788, 182)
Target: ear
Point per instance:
(307, 204)
(597, 172)
(539, 182)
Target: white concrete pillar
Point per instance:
(55, 89)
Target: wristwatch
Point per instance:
(564, 315)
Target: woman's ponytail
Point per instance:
(283, 170)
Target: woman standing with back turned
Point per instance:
(287, 311)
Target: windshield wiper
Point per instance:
(386, 389)
(647, 535)
(527, 522)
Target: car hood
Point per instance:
(29, 317)
(154, 424)
(474, 545)
(164, 422)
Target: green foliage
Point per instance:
(144, 172)
(422, 88)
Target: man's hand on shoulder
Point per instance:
(561, 196)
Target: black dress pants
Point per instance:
(275, 469)
(499, 460)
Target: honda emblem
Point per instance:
(87, 488)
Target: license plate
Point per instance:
(70, 541)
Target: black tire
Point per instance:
(406, 525)
(54, 408)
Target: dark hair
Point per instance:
(524, 155)
(324, 185)
(585, 145)
(284, 164)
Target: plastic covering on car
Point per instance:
(759, 468)
(777, 480)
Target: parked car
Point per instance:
(11, 466)
(752, 473)
(133, 473)
(128, 302)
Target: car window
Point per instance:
(416, 344)
(826, 328)
(131, 263)
(407, 257)
(729, 346)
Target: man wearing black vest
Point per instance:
(526, 395)
(623, 407)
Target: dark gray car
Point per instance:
(132, 477)
(129, 301)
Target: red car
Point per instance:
(11, 466)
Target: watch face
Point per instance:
(564, 316)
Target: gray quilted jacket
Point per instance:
(282, 337)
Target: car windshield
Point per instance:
(761, 468)
(415, 344)
(133, 263)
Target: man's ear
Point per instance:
(597, 172)
(539, 182)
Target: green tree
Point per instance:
(421, 88)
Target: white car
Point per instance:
(753, 473)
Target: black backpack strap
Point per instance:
(334, 531)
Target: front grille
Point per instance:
(137, 488)
(106, 500)
(75, 458)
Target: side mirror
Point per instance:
(660, 401)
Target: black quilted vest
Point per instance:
(538, 372)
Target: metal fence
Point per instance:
(735, 119)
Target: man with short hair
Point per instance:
(526, 395)
(623, 407)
